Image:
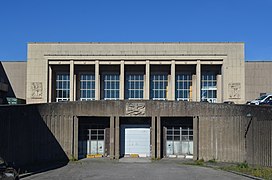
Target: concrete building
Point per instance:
(258, 78)
(140, 99)
(12, 82)
(211, 72)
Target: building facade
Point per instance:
(212, 72)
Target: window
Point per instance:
(62, 87)
(111, 86)
(208, 87)
(184, 87)
(158, 85)
(87, 87)
(134, 86)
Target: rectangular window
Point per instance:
(87, 87)
(134, 86)
(62, 87)
(208, 87)
(159, 84)
(111, 86)
(184, 87)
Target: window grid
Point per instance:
(208, 87)
(62, 87)
(111, 86)
(183, 85)
(87, 87)
(159, 84)
(135, 86)
(180, 134)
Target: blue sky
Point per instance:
(23, 21)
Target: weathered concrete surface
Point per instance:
(157, 170)
(40, 133)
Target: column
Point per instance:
(219, 91)
(75, 139)
(194, 87)
(122, 81)
(97, 83)
(198, 81)
(147, 80)
(173, 81)
(72, 80)
(196, 137)
(50, 79)
(153, 137)
(112, 137)
(158, 137)
(117, 137)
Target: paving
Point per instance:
(133, 169)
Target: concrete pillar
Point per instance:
(147, 80)
(153, 137)
(72, 80)
(117, 137)
(112, 137)
(173, 80)
(219, 92)
(122, 81)
(198, 81)
(50, 81)
(75, 139)
(196, 137)
(97, 83)
(194, 87)
(158, 137)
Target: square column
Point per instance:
(122, 81)
(158, 155)
(147, 80)
(97, 78)
(50, 81)
(198, 81)
(173, 81)
(117, 137)
(72, 80)
(75, 135)
(153, 137)
(196, 137)
(112, 137)
(194, 87)
(219, 91)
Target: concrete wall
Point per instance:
(49, 132)
(230, 55)
(258, 79)
(16, 74)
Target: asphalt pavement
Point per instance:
(129, 169)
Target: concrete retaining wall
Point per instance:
(32, 134)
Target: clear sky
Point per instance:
(23, 21)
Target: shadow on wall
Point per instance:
(27, 142)
(4, 79)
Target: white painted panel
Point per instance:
(137, 141)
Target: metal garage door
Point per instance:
(137, 141)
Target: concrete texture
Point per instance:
(258, 79)
(42, 133)
(16, 73)
(228, 56)
(91, 169)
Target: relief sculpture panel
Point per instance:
(135, 109)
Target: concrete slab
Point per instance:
(134, 160)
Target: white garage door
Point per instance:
(137, 141)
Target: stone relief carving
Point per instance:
(135, 109)
(234, 90)
(36, 90)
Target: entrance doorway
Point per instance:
(135, 137)
(177, 136)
